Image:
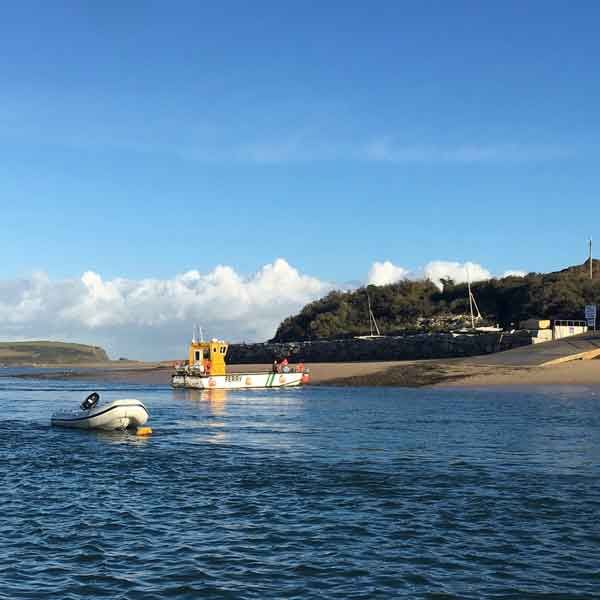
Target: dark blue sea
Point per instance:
(309, 493)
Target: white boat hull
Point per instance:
(237, 381)
(118, 414)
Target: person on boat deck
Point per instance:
(207, 366)
(284, 365)
(275, 366)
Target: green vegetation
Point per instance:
(49, 353)
(420, 305)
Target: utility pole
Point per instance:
(591, 269)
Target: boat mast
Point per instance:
(372, 321)
(472, 302)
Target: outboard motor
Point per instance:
(90, 401)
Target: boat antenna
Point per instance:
(197, 334)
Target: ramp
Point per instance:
(585, 346)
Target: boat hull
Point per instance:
(237, 381)
(118, 414)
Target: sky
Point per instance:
(165, 163)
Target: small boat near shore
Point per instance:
(93, 414)
(206, 369)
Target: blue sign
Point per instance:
(590, 311)
(590, 315)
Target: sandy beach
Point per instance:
(455, 373)
(580, 372)
(458, 373)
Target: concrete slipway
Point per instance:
(578, 347)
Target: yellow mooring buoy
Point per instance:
(143, 431)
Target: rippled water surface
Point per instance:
(308, 493)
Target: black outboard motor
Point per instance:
(90, 401)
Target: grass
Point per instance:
(47, 352)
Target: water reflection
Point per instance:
(120, 437)
(87, 436)
(214, 400)
(212, 404)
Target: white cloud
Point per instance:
(382, 273)
(386, 149)
(78, 120)
(152, 318)
(437, 270)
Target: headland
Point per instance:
(46, 353)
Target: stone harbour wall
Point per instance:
(408, 347)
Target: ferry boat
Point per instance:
(206, 369)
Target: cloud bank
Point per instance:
(383, 273)
(152, 318)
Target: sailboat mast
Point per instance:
(470, 299)
(370, 315)
(375, 323)
(372, 321)
(471, 305)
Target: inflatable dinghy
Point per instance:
(92, 414)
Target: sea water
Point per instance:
(302, 493)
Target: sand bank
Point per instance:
(456, 372)
(580, 372)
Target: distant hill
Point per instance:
(49, 353)
(421, 306)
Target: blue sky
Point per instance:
(164, 163)
(331, 134)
